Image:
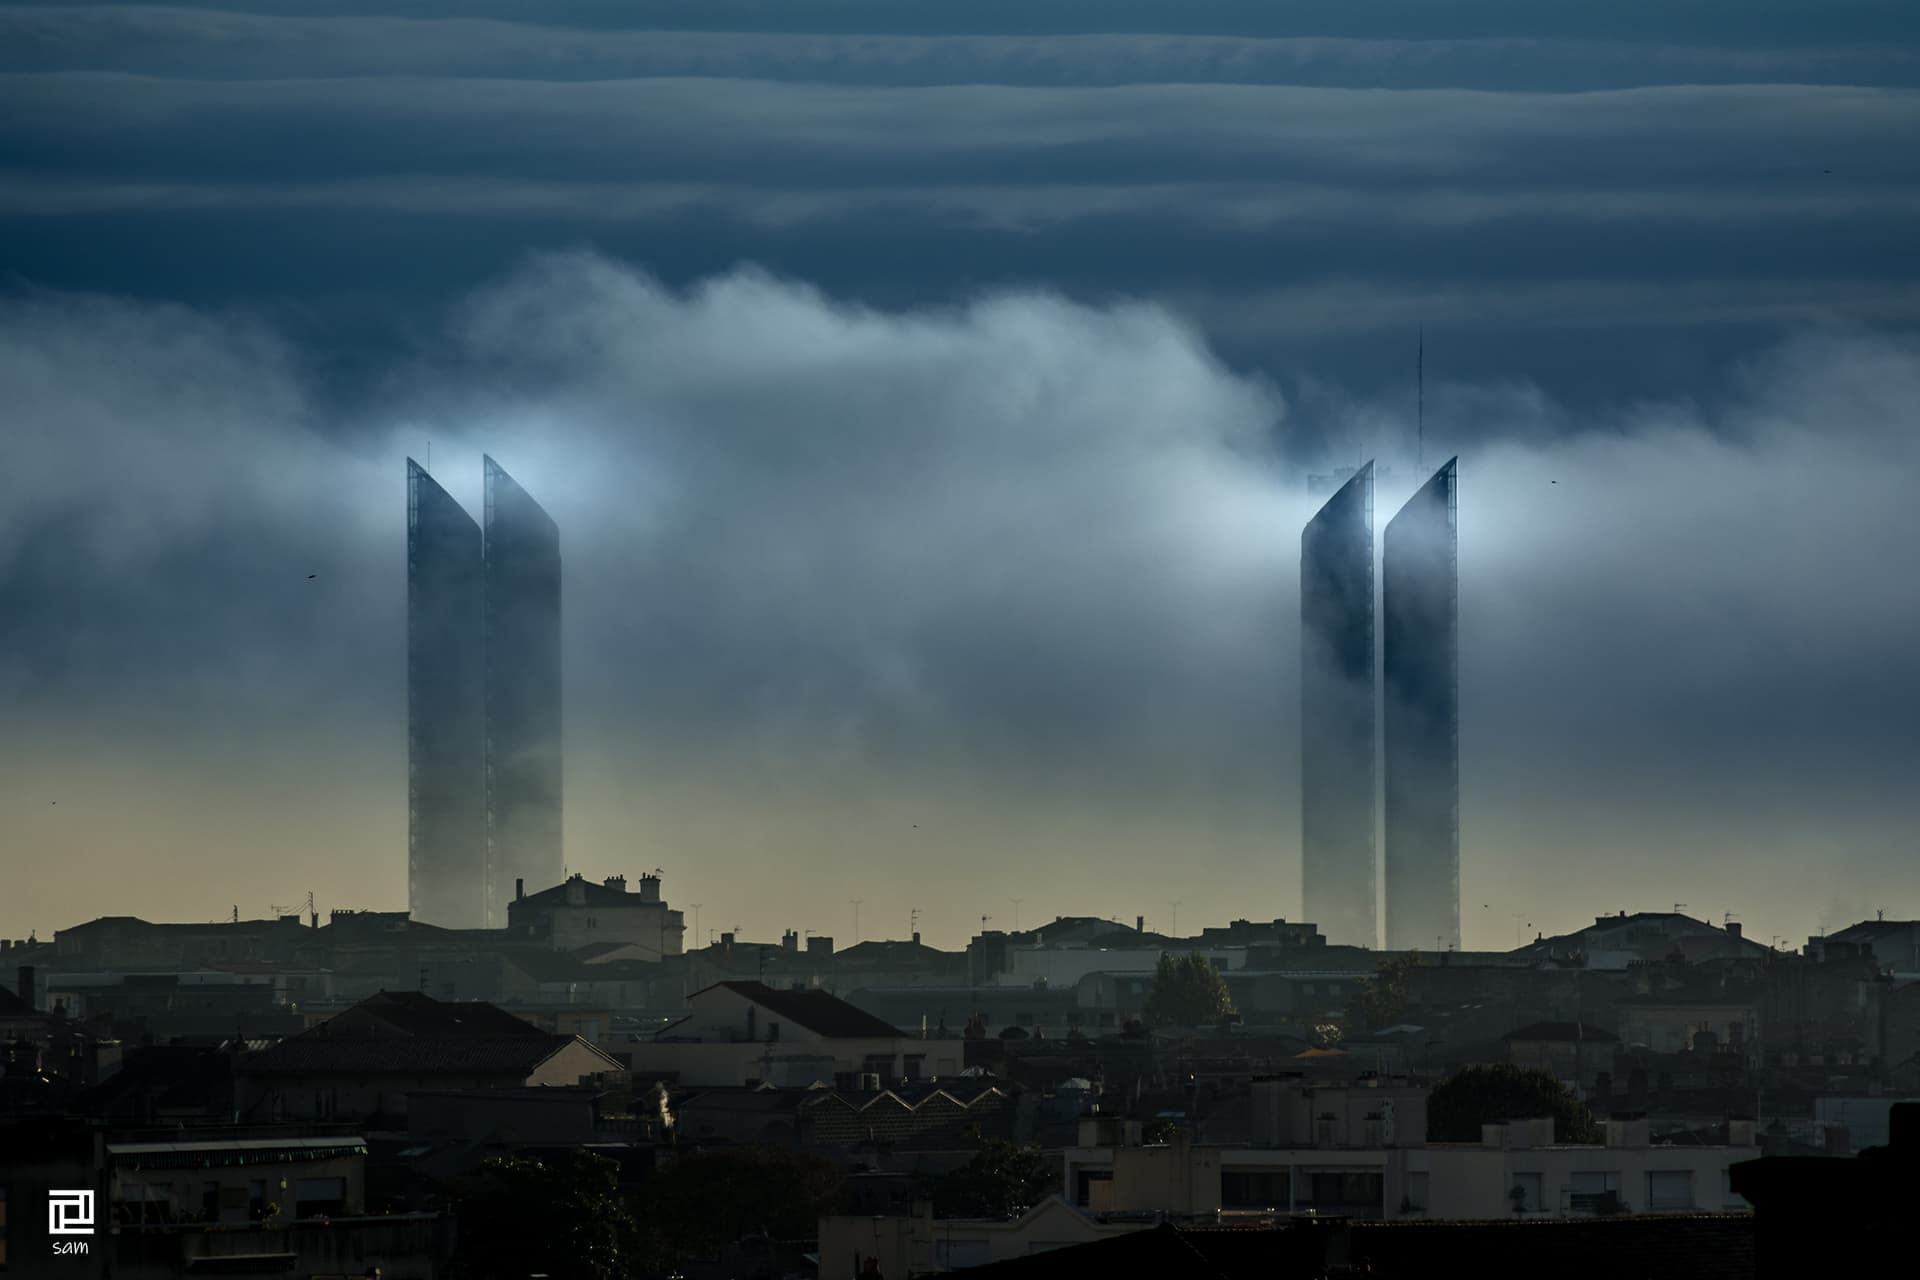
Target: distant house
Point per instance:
(749, 1033)
(579, 913)
(1576, 1051)
(360, 1064)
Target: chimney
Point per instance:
(1733, 928)
(1139, 924)
(577, 891)
(790, 941)
(649, 888)
(617, 883)
(519, 889)
(25, 988)
(916, 937)
(820, 946)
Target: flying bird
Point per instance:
(312, 576)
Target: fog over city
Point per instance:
(996, 596)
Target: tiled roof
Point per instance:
(423, 1055)
(414, 1014)
(818, 1011)
(1660, 1247)
(1161, 1251)
(1645, 1247)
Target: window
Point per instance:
(1353, 1191)
(1524, 1194)
(317, 1197)
(1594, 1191)
(1254, 1188)
(256, 1200)
(1416, 1201)
(1670, 1189)
(210, 1201)
(914, 1065)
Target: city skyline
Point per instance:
(914, 515)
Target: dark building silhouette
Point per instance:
(446, 830)
(1338, 721)
(522, 682)
(1420, 653)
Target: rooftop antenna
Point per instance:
(429, 457)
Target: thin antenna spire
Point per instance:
(1420, 410)
(429, 457)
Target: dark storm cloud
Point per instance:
(1397, 162)
(80, 125)
(211, 44)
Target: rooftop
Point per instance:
(818, 1011)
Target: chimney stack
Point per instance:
(519, 888)
(26, 989)
(1733, 928)
(1139, 924)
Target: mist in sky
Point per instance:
(935, 607)
(926, 397)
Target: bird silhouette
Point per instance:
(312, 576)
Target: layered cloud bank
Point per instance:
(1002, 592)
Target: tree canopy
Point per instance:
(584, 1231)
(1003, 1180)
(1476, 1096)
(1187, 992)
(709, 1199)
(1384, 997)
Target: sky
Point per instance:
(925, 395)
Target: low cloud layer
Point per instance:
(1003, 593)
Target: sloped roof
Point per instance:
(818, 1011)
(427, 1055)
(415, 1014)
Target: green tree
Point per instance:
(1384, 997)
(1187, 992)
(1476, 1096)
(584, 1231)
(1003, 1180)
(704, 1201)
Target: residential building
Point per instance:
(1338, 715)
(920, 1244)
(576, 914)
(521, 575)
(749, 1033)
(1420, 697)
(1517, 1169)
(362, 1064)
(1572, 1052)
